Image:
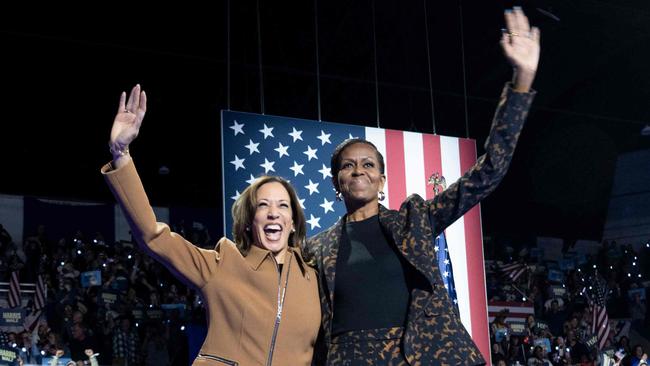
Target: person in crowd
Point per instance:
(261, 296)
(637, 355)
(377, 256)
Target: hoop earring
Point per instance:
(339, 196)
(382, 195)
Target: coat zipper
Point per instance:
(281, 293)
(219, 359)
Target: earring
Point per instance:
(382, 195)
(339, 196)
(248, 228)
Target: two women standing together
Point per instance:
(366, 291)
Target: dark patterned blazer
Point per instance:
(434, 334)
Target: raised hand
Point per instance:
(520, 43)
(128, 119)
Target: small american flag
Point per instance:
(299, 150)
(14, 290)
(513, 270)
(599, 319)
(40, 294)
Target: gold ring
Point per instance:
(513, 34)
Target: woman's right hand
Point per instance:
(128, 119)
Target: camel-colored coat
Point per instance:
(241, 294)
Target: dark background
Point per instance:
(64, 68)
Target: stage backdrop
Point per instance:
(300, 150)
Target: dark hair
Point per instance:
(243, 212)
(336, 155)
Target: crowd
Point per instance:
(563, 294)
(105, 297)
(133, 311)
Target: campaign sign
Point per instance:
(558, 291)
(540, 327)
(544, 343)
(108, 298)
(91, 278)
(591, 341)
(47, 361)
(518, 328)
(12, 317)
(555, 275)
(154, 314)
(168, 308)
(138, 314)
(500, 334)
(567, 264)
(633, 292)
(120, 283)
(8, 356)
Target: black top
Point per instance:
(372, 280)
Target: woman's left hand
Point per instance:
(520, 43)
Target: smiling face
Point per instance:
(359, 178)
(273, 221)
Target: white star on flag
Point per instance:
(324, 137)
(302, 203)
(267, 131)
(268, 166)
(251, 180)
(282, 150)
(238, 128)
(297, 168)
(313, 221)
(436, 248)
(237, 194)
(252, 147)
(325, 171)
(297, 135)
(327, 205)
(312, 187)
(311, 153)
(238, 163)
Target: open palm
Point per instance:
(128, 119)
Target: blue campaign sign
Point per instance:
(555, 275)
(91, 278)
(47, 361)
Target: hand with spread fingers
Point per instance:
(520, 43)
(126, 124)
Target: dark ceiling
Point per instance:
(64, 70)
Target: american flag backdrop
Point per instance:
(300, 150)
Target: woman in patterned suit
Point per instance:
(382, 297)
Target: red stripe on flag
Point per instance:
(395, 168)
(474, 252)
(432, 159)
